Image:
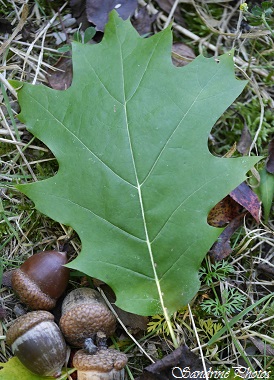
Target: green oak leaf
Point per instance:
(13, 369)
(136, 179)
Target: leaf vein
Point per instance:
(177, 126)
(82, 143)
(96, 215)
(99, 79)
(182, 203)
(126, 269)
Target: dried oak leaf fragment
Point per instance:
(181, 54)
(246, 197)
(169, 367)
(265, 349)
(266, 269)
(78, 9)
(61, 77)
(224, 212)
(245, 140)
(270, 160)
(222, 248)
(143, 21)
(98, 10)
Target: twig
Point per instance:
(198, 341)
(235, 35)
(171, 13)
(124, 327)
(22, 144)
(44, 30)
(8, 86)
(17, 29)
(17, 146)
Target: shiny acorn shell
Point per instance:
(41, 279)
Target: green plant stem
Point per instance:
(237, 345)
(267, 25)
(235, 342)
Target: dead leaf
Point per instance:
(270, 160)
(143, 21)
(78, 9)
(265, 349)
(245, 140)
(224, 212)
(98, 10)
(248, 199)
(5, 26)
(172, 365)
(61, 78)
(222, 248)
(182, 54)
(267, 269)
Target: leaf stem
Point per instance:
(266, 24)
(170, 328)
(165, 311)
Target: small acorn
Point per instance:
(85, 315)
(38, 343)
(105, 364)
(41, 279)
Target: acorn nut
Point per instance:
(38, 343)
(41, 279)
(84, 316)
(106, 364)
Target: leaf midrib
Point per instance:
(153, 264)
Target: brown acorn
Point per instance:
(38, 343)
(41, 279)
(85, 316)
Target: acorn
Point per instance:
(38, 343)
(41, 279)
(105, 364)
(86, 316)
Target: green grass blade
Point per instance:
(236, 319)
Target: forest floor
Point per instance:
(235, 297)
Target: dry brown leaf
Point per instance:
(182, 54)
(246, 197)
(61, 77)
(98, 10)
(172, 365)
(143, 21)
(222, 248)
(270, 161)
(224, 212)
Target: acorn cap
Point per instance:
(26, 322)
(102, 361)
(84, 314)
(29, 293)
